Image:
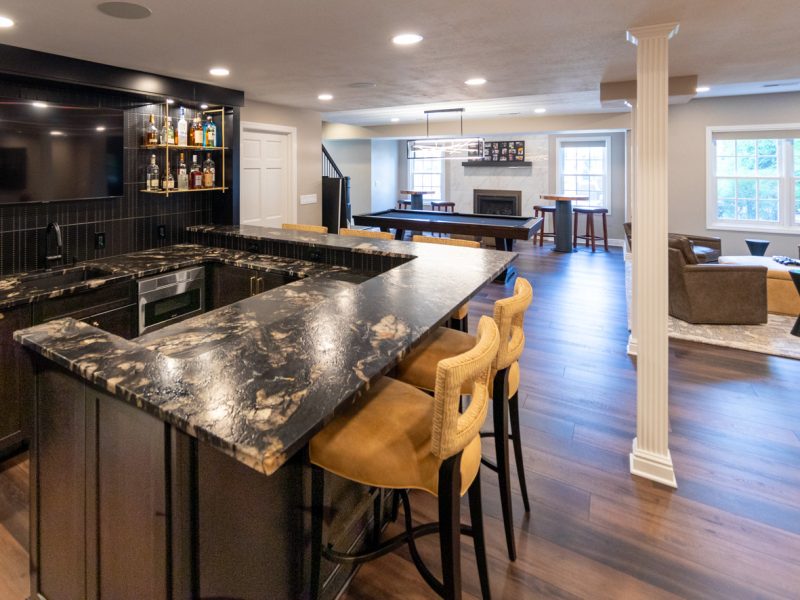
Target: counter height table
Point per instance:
(564, 220)
(416, 197)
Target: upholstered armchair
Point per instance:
(707, 249)
(714, 293)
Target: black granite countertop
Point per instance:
(25, 288)
(258, 378)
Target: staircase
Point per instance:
(335, 194)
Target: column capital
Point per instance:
(664, 30)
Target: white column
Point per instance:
(650, 457)
(633, 344)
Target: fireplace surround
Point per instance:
(497, 202)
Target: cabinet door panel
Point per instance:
(230, 284)
(83, 304)
(120, 321)
(16, 380)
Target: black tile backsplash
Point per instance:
(130, 222)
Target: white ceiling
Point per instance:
(532, 52)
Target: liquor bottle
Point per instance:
(163, 135)
(209, 172)
(151, 135)
(152, 174)
(168, 182)
(197, 132)
(195, 175)
(183, 132)
(210, 133)
(170, 135)
(183, 175)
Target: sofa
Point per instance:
(782, 297)
(707, 249)
(722, 294)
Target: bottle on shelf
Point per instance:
(151, 135)
(209, 172)
(183, 129)
(152, 175)
(168, 182)
(195, 175)
(210, 133)
(197, 132)
(183, 174)
(163, 134)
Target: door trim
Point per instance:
(291, 132)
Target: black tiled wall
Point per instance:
(129, 223)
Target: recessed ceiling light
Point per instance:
(219, 71)
(124, 10)
(5, 22)
(325, 97)
(475, 81)
(362, 85)
(540, 111)
(702, 88)
(100, 128)
(204, 106)
(407, 39)
(395, 120)
(56, 133)
(39, 104)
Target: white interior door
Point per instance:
(265, 189)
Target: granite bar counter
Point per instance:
(196, 414)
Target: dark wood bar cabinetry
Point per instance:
(16, 381)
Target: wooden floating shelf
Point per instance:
(497, 163)
(167, 192)
(199, 148)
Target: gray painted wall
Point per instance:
(354, 158)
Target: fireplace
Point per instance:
(497, 202)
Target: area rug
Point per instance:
(772, 338)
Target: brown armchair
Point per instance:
(707, 249)
(714, 293)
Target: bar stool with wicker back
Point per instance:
(540, 210)
(418, 369)
(301, 227)
(397, 437)
(460, 318)
(589, 236)
(366, 233)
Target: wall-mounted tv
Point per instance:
(52, 152)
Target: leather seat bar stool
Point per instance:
(589, 235)
(460, 318)
(398, 437)
(403, 204)
(301, 227)
(366, 233)
(417, 369)
(543, 211)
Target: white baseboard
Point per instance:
(633, 346)
(652, 466)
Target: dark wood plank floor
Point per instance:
(731, 530)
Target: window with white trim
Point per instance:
(583, 169)
(427, 174)
(754, 178)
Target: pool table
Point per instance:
(504, 229)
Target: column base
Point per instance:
(633, 346)
(654, 467)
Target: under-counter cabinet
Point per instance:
(16, 381)
(228, 284)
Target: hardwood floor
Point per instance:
(731, 530)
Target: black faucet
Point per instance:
(48, 258)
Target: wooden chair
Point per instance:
(366, 233)
(589, 235)
(460, 318)
(543, 211)
(301, 227)
(404, 204)
(416, 369)
(397, 437)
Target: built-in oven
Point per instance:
(171, 297)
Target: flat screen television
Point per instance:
(52, 152)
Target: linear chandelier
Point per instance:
(449, 148)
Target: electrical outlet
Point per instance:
(99, 241)
(162, 232)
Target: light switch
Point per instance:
(308, 199)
